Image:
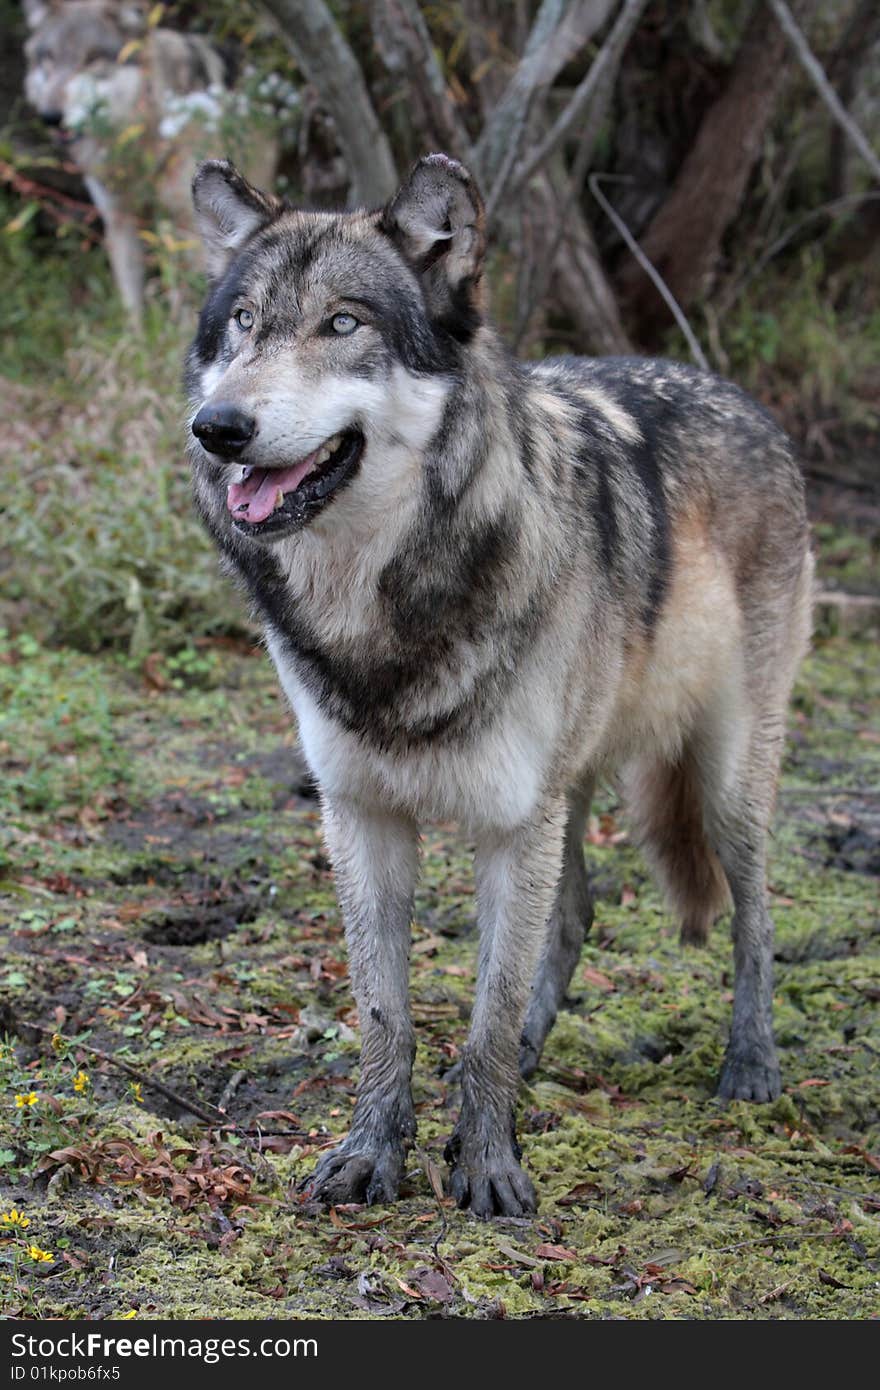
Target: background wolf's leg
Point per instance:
(375, 859)
(517, 875)
(124, 249)
(569, 923)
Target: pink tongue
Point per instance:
(255, 498)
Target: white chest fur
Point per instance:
(491, 781)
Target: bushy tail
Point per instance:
(665, 808)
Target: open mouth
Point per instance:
(265, 501)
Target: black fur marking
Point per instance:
(222, 295)
(653, 414)
(460, 318)
(644, 456)
(367, 691)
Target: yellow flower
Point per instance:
(29, 1098)
(14, 1217)
(81, 1082)
(135, 1088)
(40, 1256)
(123, 1317)
(58, 1042)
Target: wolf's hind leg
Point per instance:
(375, 859)
(739, 829)
(569, 923)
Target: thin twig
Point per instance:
(816, 73)
(602, 66)
(230, 1089)
(653, 274)
(825, 209)
(211, 1115)
(66, 210)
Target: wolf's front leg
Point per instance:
(517, 876)
(375, 858)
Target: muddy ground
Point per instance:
(167, 903)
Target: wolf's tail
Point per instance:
(666, 811)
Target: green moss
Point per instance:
(655, 1200)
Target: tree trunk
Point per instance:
(404, 45)
(684, 238)
(325, 58)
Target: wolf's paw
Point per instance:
(353, 1173)
(489, 1181)
(750, 1074)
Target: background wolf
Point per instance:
(485, 584)
(95, 69)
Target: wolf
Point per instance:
(484, 584)
(96, 70)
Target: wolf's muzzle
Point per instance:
(223, 429)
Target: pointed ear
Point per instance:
(228, 211)
(437, 222)
(36, 11)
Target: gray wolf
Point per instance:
(138, 107)
(485, 583)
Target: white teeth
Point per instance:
(327, 448)
(279, 499)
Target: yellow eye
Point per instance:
(244, 318)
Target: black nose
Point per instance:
(51, 117)
(223, 429)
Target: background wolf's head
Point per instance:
(73, 70)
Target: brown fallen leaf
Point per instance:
(595, 977)
(555, 1252)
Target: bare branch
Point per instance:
(814, 70)
(560, 30)
(825, 210)
(405, 47)
(599, 81)
(656, 279)
(313, 36)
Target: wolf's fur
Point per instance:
(539, 574)
(74, 68)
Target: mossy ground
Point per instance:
(166, 899)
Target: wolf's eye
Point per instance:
(244, 318)
(343, 324)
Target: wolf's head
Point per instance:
(73, 68)
(328, 343)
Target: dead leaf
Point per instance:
(595, 977)
(555, 1252)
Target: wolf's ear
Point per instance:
(228, 211)
(436, 220)
(36, 11)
